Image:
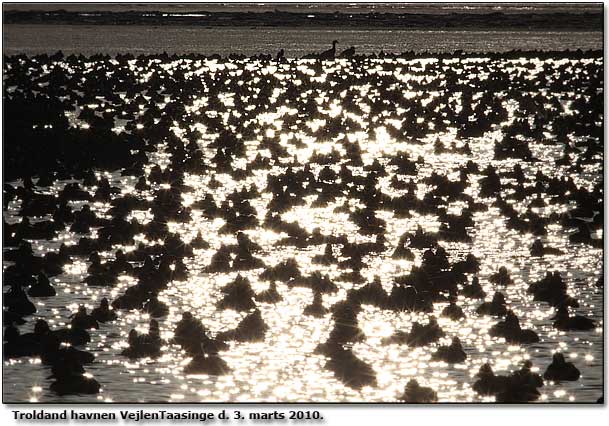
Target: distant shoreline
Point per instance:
(589, 21)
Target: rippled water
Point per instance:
(297, 42)
(284, 366)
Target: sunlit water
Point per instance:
(284, 367)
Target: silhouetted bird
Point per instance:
(330, 53)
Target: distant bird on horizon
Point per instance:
(347, 53)
(330, 53)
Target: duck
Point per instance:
(42, 288)
(553, 290)
(271, 295)
(420, 335)
(193, 337)
(252, 328)
(316, 282)
(560, 370)
(511, 331)
(496, 307)
(82, 320)
(103, 313)
(12, 318)
(17, 301)
(521, 386)
(198, 242)
(66, 368)
(502, 277)
(74, 383)
(144, 345)
(401, 251)
(372, 294)
(330, 53)
(155, 307)
(538, 249)
(238, 295)
(17, 345)
(487, 383)
(564, 321)
(327, 258)
(451, 354)
(54, 353)
(474, 290)
(414, 393)
(120, 265)
(141, 184)
(316, 308)
(74, 336)
(348, 368)
(283, 271)
(422, 240)
(453, 311)
(209, 364)
(347, 53)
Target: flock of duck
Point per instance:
(76, 127)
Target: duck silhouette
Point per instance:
(330, 53)
(72, 382)
(560, 370)
(316, 282)
(74, 335)
(553, 290)
(420, 335)
(53, 352)
(17, 301)
(511, 331)
(42, 288)
(17, 345)
(144, 345)
(347, 53)
(521, 386)
(82, 320)
(103, 313)
(496, 307)
(193, 337)
(414, 393)
(538, 249)
(452, 354)
(238, 295)
(271, 295)
(316, 308)
(252, 328)
(209, 364)
(501, 277)
(487, 383)
(327, 258)
(348, 368)
(453, 311)
(566, 322)
(283, 271)
(198, 242)
(474, 290)
(155, 307)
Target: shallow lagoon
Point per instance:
(284, 366)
